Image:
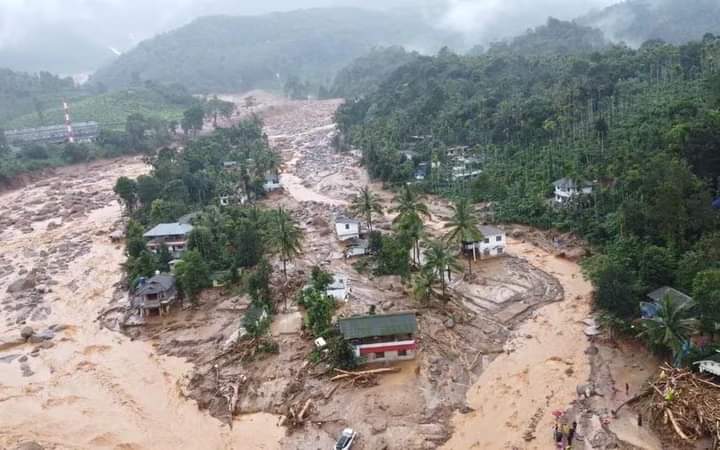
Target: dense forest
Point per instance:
(642, 126)
(674, 21)
(365, 73)
(225, 53)
(556, 37)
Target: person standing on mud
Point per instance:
(571, 433)
(557, 435)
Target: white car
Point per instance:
(346, 439)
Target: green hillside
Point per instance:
(642, 125)
(110, 109)
(238, 53)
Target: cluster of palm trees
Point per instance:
(438, 261)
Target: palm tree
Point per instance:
(285, 237)
(439, 260)
(365, 203)
(409, 204)
(672, 325)
(410, 211)
(463, 226)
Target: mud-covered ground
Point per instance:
(492, 365)
(408, 410)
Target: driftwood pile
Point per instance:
(685, 402)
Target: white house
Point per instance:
(272, 182)
(566, 189)
(339, 288)
(493, 243)
(346, 228)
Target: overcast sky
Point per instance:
(121, 23)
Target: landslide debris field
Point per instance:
(406, 410)
(63, 362)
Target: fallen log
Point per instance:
(308, 403)
(345, 374)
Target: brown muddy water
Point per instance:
(89, 387)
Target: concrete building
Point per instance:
(339, 289)
(493, 243)
(173, 235)
(566, 189)
(381, 338)
(346, 228)
(156, 294)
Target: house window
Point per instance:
(379, 355)
(498, 238)
(487, 240)
(347, 226)
(402, 353)
(486, 252)
(499, 250)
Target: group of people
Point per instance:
(564, 435)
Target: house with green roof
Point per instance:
(382, 337)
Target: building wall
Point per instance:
(346, 231)
(494, 246)
(387, 351)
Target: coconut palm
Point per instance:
(284, 236)
(365, 204)
(409, 203)
(672, 326)
(463, 226)
(440, 260)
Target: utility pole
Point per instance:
(69, 135)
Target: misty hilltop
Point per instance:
(673, 21)
(236, 53)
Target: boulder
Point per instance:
(450, 323)
(26, 332)
(21, 284)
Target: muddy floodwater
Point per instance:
(81, 386)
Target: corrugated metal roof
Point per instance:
(659, 294)
(169, 229)
(378, 325)
(488, 230)
(157, 284)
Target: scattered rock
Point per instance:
(450, 323)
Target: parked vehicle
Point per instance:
(346, 439)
